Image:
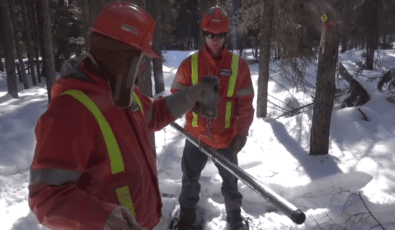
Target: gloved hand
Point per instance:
(237, 144)
(181, 102)
(121, 218)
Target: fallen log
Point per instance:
(358, 95)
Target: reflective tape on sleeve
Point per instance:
(53, 176)
(245, 92)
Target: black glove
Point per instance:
(237, 144)
(185, 100)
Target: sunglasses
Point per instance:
(219, 36)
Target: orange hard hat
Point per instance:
(215, 21)
(127, 23)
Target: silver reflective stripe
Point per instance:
(178, 86)
(53, 176)
(244, 92)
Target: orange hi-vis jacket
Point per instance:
(235, 109)
(86, 164)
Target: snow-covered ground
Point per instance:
(351, 188)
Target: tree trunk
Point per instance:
(1, 57)
(371, 46)
(157, 43)
(94, 9)
(234, 36)
(372, 32)
(9, 49)
(325, 92)
(1, 38)
(44, 13)
(145, 83)
(19, 72)
(21, 66)
(264, 59)
(344, 45)
(86, 22)
(32, 10)
(257, 44)
(29, 39)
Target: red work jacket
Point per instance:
(72, 186)
(242, 113)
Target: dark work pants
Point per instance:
(192, 164)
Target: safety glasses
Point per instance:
(212, 36)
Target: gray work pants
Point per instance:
(192, 164)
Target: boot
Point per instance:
(237, 223)
(187, 218)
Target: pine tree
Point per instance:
(17, 46)
(9, 44)
(325, 85)
(33, 17)
(265, 59)
(157, 46)
(29, 39)
(44, 13)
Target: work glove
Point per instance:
(237, 144)
(183, 101)
(121, 218)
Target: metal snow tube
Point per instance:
(295, 214)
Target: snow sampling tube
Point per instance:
(295, 214)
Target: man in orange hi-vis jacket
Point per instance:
(228, 131)
(94, 166)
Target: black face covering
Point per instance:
(124, 85)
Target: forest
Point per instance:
(37, 36)
(40, 35)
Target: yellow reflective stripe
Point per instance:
(125, 199)
(228, 114)
(232, 79)
(137, 100)
(194, 120)
(195, 79)
(195, 67)
(114, 152)
(231, 88)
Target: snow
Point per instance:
(333, 190)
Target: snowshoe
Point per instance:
(238, 224)
(187, 219)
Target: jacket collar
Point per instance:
(92, 72)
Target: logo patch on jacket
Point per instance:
(135, 107)
(225, 72)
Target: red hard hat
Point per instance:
(215, 21)
(127, 23)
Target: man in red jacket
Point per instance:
(94, 166)
(228, 131)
